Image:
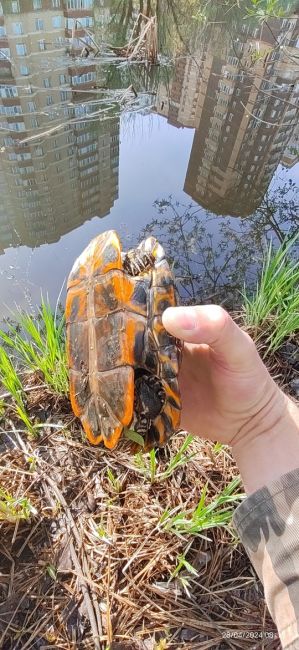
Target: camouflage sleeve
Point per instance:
(268, 525)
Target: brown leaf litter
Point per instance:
(93, 567)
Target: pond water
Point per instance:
(200, 149)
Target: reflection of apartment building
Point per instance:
(54, 183)
(176, 101)
(102, 18)
(79, 19)
(241, 98)
(291, 153)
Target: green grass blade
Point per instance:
(217, 513)
(272, 312)
(41, 346)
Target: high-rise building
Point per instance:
(58, 158)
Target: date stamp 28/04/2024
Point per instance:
(250, 634)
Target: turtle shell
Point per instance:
(114, 309)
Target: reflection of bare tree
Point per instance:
(124, 13)
(206, 262)
(212, 256)
(173, 19)
(145, 75)
(279, 211)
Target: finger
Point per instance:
(212, 325)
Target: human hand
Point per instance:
(227, 392)
(223, 381)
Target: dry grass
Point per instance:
(283, 365)
(113, 551)
(91, 565)
(95, 547)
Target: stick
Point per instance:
(94, 615)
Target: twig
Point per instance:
(75, 120)
(25, 390)
(94, 616)
(97, 49)
(31, 532)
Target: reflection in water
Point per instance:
(53, 184)
(241, 96)
(234, 83)
(213, 256)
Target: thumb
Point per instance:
(212, 325)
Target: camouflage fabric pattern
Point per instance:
(268, 525)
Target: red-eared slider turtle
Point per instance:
(123, 365)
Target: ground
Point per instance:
(104, 550)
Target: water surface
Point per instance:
(200, 149)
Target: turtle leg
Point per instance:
(149, 401)
(142, 424)
(149, 397)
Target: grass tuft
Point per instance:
(11, 381)
(39, 344)
(184, 573)
(115, 484)
(217, 513)
(272, 312)
(147, 463)
(13, 509)
(51, 571)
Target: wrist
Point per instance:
(269, 447)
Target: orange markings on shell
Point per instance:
(163, 298)
(115, 291)
(160, 427)
(106, 311)
(76, 305)
(115, 340)
(102, 254)
(171, 393)
(110, 442)
(171, 360)
(129, 408)
(116, 390)
(95, 440)
(75, 406)
(77, 275)
(69, 355)
(107, 253)
(173, 414)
